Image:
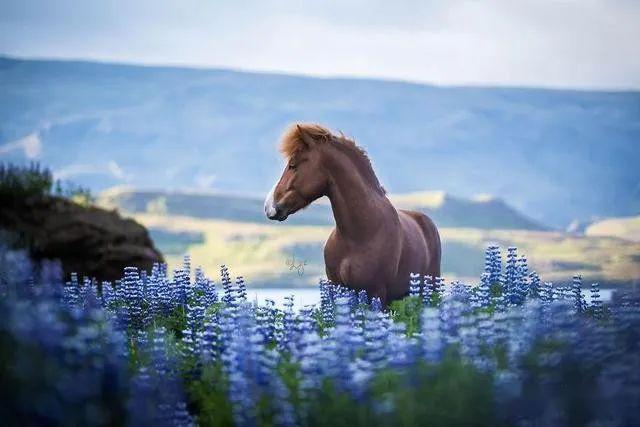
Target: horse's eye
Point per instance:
(292, 166)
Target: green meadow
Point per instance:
(264, 253)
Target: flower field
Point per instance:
(180, 349)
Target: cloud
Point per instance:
(205, 181)
(574, 43)
(110, 168)
(117, 171)
(30, 144)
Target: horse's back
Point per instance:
(431, 238)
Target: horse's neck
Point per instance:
(359, 208)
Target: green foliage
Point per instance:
(407, 311)
(208, 397)
(33, 180)
(448, 394)
(24, 181)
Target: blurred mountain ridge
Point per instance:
(554, 155)
(444, 209)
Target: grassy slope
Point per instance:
(260, 251)
(444, 209)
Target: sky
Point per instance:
(582, 44)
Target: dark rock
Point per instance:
(91, 241)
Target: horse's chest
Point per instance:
(356, 266)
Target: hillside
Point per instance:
(623, 228)
(87, 240)
(263, 252)
(555, 155)
(445, 210)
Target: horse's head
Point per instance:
(304, 179)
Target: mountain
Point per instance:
(556, 155)
(445, 210)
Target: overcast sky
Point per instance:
(574, 43)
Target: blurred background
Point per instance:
(508, 123)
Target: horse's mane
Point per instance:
(292, 142)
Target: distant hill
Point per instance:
(445, 210)
(556, 155)
(623, 228)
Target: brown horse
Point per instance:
(374, 246)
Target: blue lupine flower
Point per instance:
(229, 297)
(326, 302)
(376, 304)
(88, 333)
(241, 288)
(512, 277)
(287, 324)
(484, 290)
(133, 296)
(414, 284)
(534, 285)
(493, 264)
(576, 288)
(375, 335)
(596, 302)
(438, 286)
(427, 290)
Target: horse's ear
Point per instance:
(305, 137)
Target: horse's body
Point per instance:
(374, 246)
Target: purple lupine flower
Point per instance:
(401, 356)
(375, 338)
(179, 289)
(511, 277)
(523, 279)
(326, 302)
(534, 285)
(341, 338)
(181, 416)
(107, 294)
(414, 284)
(578, 298)
(310, 359)
(493, 264)
(229, 297)
(287, 324)
(438, 287)
(431, 334)
(186, 269)
(484, 290)
(241, 288)
(376, 304)
(596, 302)
(546, 295)
(133, 297)
(470, 341)
(303, 327)
(71, 293)
(165, 294)
(427, 290)
(152, 296)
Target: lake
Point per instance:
(310, 296)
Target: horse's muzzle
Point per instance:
(273, 211)
(277, 214)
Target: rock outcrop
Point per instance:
(88, 240)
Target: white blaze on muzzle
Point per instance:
(270, 204)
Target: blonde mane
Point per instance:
(292, 142)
